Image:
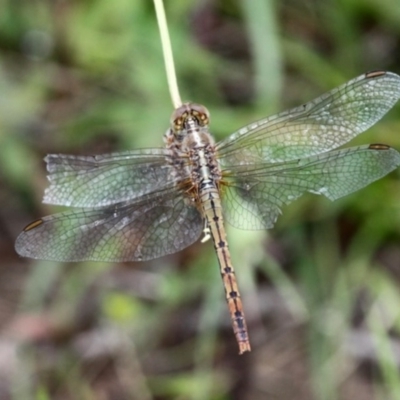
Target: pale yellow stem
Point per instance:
(167, 52)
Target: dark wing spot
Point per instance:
(374, 74)
(33, 225)
(378, 146)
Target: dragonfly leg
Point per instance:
(207, 233)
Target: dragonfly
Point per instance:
(143, 204)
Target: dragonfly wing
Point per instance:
(316, 127)
(132, 231)
(253, 195)
(95, 181)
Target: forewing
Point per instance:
(132, 231)
(318, 126)
(253, 195)
(93, 181)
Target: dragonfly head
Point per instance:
(189, 115)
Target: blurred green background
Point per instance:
(320, 290)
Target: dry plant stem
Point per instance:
(167, 52)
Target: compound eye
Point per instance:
(201, 113)
(200, 109)
(178, 123)
(179, 115)
(204, 119)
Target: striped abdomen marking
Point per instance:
(212, 210)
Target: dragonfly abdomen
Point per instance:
(205, 175)
(211, 206)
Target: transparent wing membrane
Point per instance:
(318, 126)
(93, 181)
(132, 231)
(254, 194)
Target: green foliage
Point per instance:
(119, 307)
